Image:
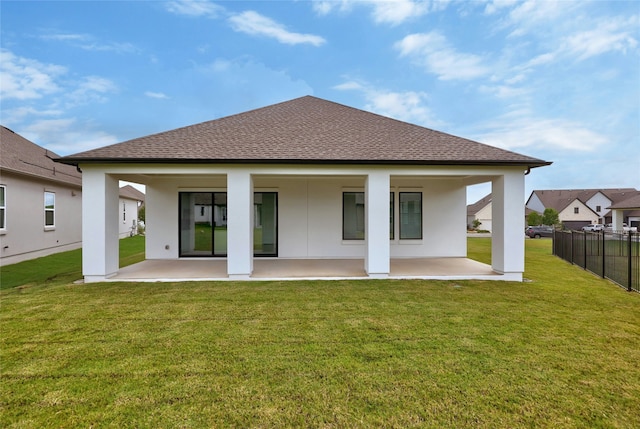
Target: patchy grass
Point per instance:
(559, 351)
(64, 267)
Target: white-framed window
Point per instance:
(576, 210)
(49, 209)
(353, 215)
(124, 212)
(3, 207)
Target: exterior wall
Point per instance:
(310, 211)
(484, 216)
(128, 216)
(585, 214)
(25, 236)
(601, 200)
(535, 204)
(310, 216)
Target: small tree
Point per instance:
(141, 213)
(476, 223)
(534, 218)
(550, 217)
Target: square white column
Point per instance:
(100, 217)
(617, 220)
(377, 188)
(507, 235)
(239, 224)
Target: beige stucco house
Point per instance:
(307, 188)
(40, 201)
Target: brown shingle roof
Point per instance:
(474, 208)
(559, 199)
(305, 130)
(632, 202)
(131, 193)
(19, 155)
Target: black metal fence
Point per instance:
(612, 255)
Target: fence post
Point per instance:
(571, 250)
(604, 236)
(585, 249)
(629, 261)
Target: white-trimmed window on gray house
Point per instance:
(3, 207)
(49, 209)
(410, 215)
(576, 210)
(124, 212)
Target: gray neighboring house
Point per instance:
(40, 201)
(130, 202)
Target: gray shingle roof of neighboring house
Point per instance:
(630, 203)
(21, 156)
(474, 208)
(559, 199)
(305, 130)
(131, 193)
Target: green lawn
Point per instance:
(561, 350)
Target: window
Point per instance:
(410, 215)
(598, 208)
(49, 208)
(124, 212)
(576, 210)
(353, 215)
(3, 207)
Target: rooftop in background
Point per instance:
(478, 205)
(21, 156)
(305, 130)
(131, 193)
(559, 199)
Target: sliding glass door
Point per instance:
(265, 224)
(203, 224)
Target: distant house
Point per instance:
(480, 211)
(40, 201)
(580, 207)
(626, 211)
(130, 202)
(310, 184)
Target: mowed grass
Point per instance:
(562, 350)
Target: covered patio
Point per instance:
(215, 269)
(303, 189)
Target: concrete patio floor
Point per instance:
(296, 269)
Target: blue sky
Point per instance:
(557, 80)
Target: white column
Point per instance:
(507, 235)
(239, 224)
(100, 251)
(617, 219)
(377, 254)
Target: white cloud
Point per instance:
(391, 12)
(398, 11)
(90, 89)
(195, 8)
(408, 106)
(88, 43)
(253, 23)
(433, 52)
(609, 36)
(65, 136)
(158, 95)
(520, 129)
(26, 79)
